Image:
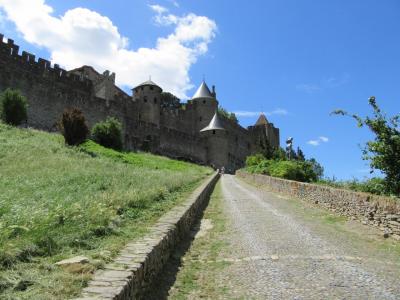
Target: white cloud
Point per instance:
(313, 142)
(324, 139)
(158, 9)
(328, 83)
(84, 37)
(174, 3)
(317, 142)
(247, 114)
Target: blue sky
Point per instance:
(296, 60)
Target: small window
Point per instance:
(151, 88)
(213, 131)
(204, 101)
(200, 119)
(144, 99)
(155, 100)
(141, 88)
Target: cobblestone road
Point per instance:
(276, 254)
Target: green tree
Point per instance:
(316, 168)
(279, 154)
(108, 133)
(384, 151)
(300, 155)
(266, 149)
(13, 107)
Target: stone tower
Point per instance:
(147, 96)
(264, 132)
(217, 146)
(205, 105)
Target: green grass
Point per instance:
(196, 278)
(58, 201)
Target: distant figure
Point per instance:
(222, 170)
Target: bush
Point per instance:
(73, 126)
(373, 185)
(287, 169)
(254, 160)
(108, 133)
(292, 170)
(13, 107)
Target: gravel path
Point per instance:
(274, 254)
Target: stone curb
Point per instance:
(132, 272)
(378, 211)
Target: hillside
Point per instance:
(57, 202)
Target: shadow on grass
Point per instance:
(163, 282)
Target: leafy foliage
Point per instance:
(108, 133)
(13, 107)
(305, 171)
(73, 126)
(384, 151)
(169, 100)
(374, 185)
(254, 160)
(300, 155)
(231, 116)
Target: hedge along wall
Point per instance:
(378, 211)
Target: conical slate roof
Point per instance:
(203, 92)
(215, 124)
(262, 120)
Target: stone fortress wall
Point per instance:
(151, 121)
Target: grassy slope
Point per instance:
(58, 202)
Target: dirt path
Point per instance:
(278, 248)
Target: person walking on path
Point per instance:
(222, 170)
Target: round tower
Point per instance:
(205, 105)
(216, 141)
(147, 96)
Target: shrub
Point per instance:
(13, 107)
(108, 133)
(374, 185)
(73, 126)
(287, 169)
(254, 160)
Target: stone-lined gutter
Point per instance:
(378, 211)
(138, 264)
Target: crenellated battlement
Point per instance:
(9, 53)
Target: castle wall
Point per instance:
(148, 123)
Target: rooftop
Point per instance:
(203, 92)
(149, 82)
(215, 124)
(262, 120)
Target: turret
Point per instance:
(216, 138)
(264, 132)
(147, 96)
(205, 105)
